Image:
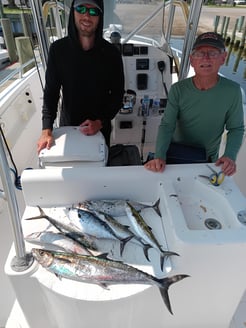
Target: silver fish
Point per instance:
(121, 231)
(116, 207)
(124, 232)
(57, 241)
(90, 223)
(145, 232)
(102, 271)
(65, 226)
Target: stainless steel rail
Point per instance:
(22, 260)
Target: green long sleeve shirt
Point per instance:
(199, 118)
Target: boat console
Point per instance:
(148, 78)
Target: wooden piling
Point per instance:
(9, 39)
(226, 27)
(223, 25)
(25, 51)
(242, 43)
(216, 23)
(234, 31)
(240, 23)
(239, 55)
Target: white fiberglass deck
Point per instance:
(204, 253)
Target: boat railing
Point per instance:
(18, 71)
(22, 260)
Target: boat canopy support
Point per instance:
(192, 24)
(37, 11)
(22, 261)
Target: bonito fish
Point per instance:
(65, 226)
(91, 224)
(102, 271)
(57, 241)
(145, 232)
(116, 207)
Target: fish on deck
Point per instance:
(116, 207)
(145, 232)
(57, 241)
(101, 271)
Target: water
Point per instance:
(234, 67)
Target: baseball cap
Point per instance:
(89, 2)
(209, 39)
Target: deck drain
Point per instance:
(213, 224)
(241, 215)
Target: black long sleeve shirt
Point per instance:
(92, 83)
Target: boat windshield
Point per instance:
(135, 19)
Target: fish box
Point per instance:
(73, 149)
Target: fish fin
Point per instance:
(103, 285)
(103, 256)
(145, 249)
(166, 283)
(123, 243)
(162, 258)
(41, 216)
(58, 276)
(166, 254)
(156, 207)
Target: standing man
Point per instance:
(200, 108)
(89, 72)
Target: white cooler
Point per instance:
(74, 149)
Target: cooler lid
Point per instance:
(72, 145)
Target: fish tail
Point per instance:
(41, 216)
(123, 243)
(156, 207)
(166, 254)
(146, 248)
(165, 284)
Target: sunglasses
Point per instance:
(92, 11)
(203, 54)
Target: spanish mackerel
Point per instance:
(56, 241)
(145, 232)
(116, 207)
(102, 271)
(124, 231)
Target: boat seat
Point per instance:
(73, 149)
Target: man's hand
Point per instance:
(156, 165)
(228, 166)
(46, 140)
(89, 127)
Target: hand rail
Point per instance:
(22, 260)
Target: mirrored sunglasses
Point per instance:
(92, 11)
